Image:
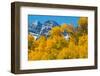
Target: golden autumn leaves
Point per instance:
(57, 47)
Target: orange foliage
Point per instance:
(56, 46)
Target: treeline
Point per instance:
(56, 46)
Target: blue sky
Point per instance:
(59, 19)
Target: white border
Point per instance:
(25, 64)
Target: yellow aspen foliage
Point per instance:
(42, 43)
(83, 21)
(63, 54)
(56, 46)
(70, 28)
(45, 56)
(49, 43)
(83, 39)
(30, 37)
(64, 27)
(55, 31)
(30, 41)
(83, 46)
(42, 38)
(35, 55)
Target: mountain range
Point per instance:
(41, 29)
(37, 28)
